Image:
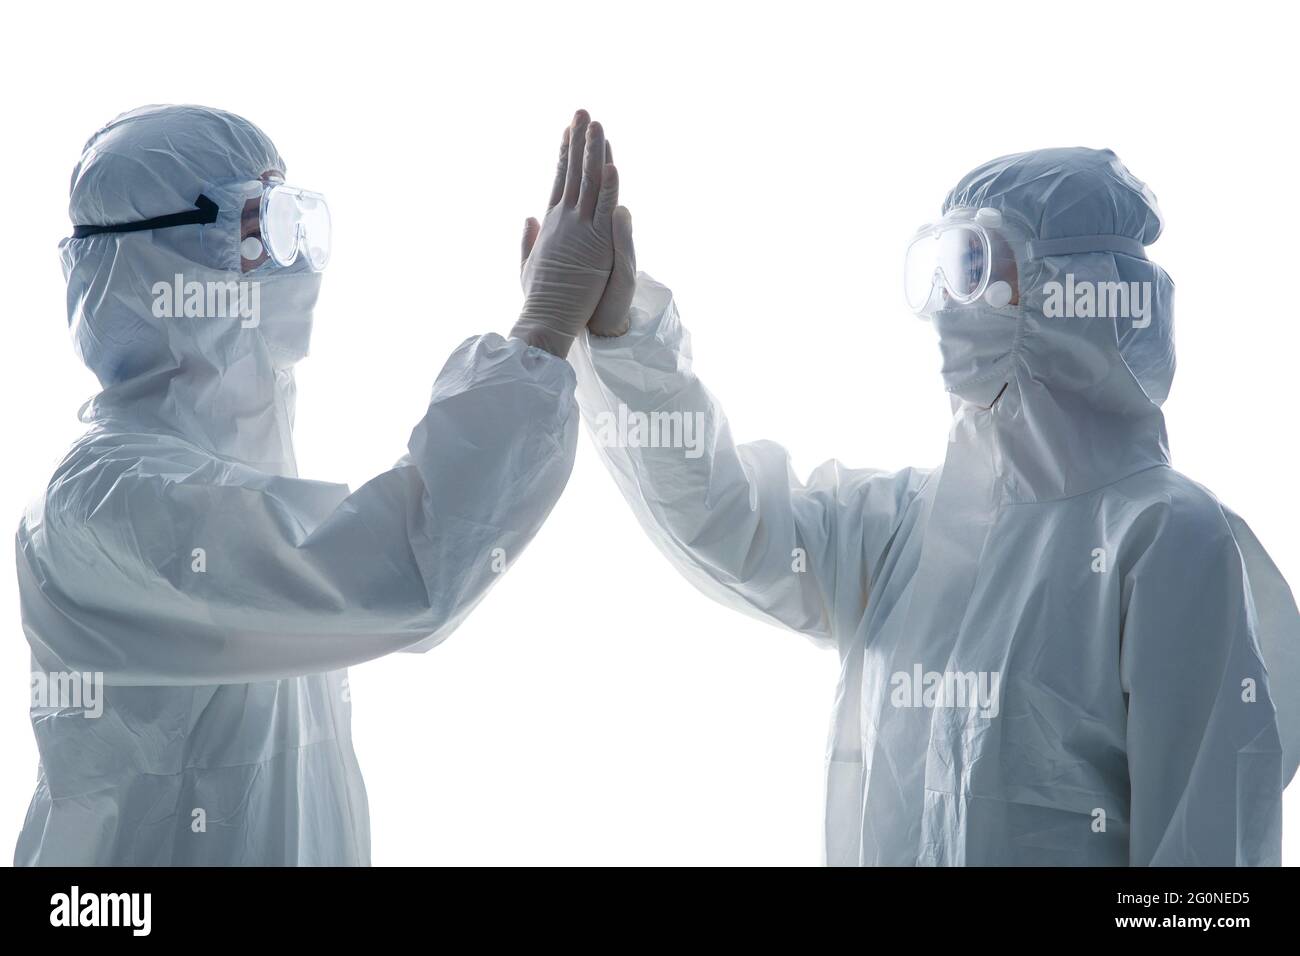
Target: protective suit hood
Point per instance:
(218, 375)
(1079, 366)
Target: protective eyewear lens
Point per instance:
(296, 220)
(955, 257)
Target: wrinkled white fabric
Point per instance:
(226, 704)
(1126, 615)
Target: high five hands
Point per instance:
(578, 264)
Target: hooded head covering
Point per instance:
(1071, 383)
(224, 380)
(1070, 202)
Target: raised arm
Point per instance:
(158, 564)
(154, 562)
(734, 519)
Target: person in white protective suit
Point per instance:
(180, 573)
(1054, 649)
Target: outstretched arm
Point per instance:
(160, 564)
(734, 519)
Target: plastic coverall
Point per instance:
(225, 735)
(1126, 614)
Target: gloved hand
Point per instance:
(611, 316)
(571, 258)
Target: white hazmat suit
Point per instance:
(1053, 647)
(177, 553)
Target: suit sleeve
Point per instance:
(1204, 753)
(157, 565)
(734, 519)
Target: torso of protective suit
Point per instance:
(178, 562)
(1098, 623)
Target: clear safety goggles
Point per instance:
(978, 254)
(295, 221)
(957, 256)
(290, 221)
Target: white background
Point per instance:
(596, 709)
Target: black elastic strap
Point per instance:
(204, 211)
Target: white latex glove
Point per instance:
(612, 311)
(570, 258)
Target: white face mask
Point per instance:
(288, 298)
(132, 308)
(977, 343)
